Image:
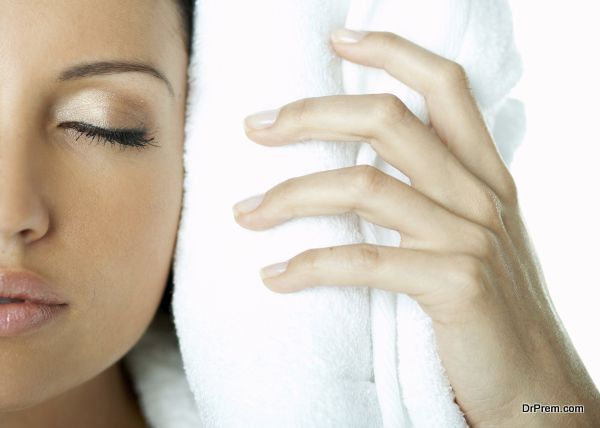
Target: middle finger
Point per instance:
(370, 193)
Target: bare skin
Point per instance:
(465, 255)
(107, 400)
(98, 220)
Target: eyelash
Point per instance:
(123, 137)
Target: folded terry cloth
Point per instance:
(327, 356)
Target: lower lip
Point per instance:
(20, 318)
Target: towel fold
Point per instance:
(327, 356)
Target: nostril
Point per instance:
(24, 216)
(27, 234)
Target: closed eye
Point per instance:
(123, 137)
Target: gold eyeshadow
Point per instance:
(103, 108)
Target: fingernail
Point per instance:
(262, 119)
(273, 270)
(247, 205)
(345, 35)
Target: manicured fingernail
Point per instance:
(248, 205)
(273, 270)
(262, 119)
(345, 35)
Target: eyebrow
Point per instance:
(112, 67)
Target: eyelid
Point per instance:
(105, 106)
(124, 137)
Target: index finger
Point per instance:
(453, 110)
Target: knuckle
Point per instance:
(389, 110)
(311, 259)
(367, 180)
(284, 187)
(489, 208)
(386, 40)
(365, 257)
(509, 191)
(301, 110)
(468, 275)
(483, 242)
(283, 193)
(452, 75)
(310, 265)
(408, 242)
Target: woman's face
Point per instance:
(97, 220)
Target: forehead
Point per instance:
(47, 35)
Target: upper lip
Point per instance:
(28, 286)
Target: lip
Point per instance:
(41, 303)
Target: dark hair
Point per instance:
(186, 12)
(165, 303)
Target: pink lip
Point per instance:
(40, 303)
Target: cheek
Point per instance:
(117, 242)
(124, 236)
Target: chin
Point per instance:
(23, 386)
(14, 397)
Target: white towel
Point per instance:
(328, 356)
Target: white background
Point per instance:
(557, 167)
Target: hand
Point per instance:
(464, 256)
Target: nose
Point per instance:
(23, 215)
